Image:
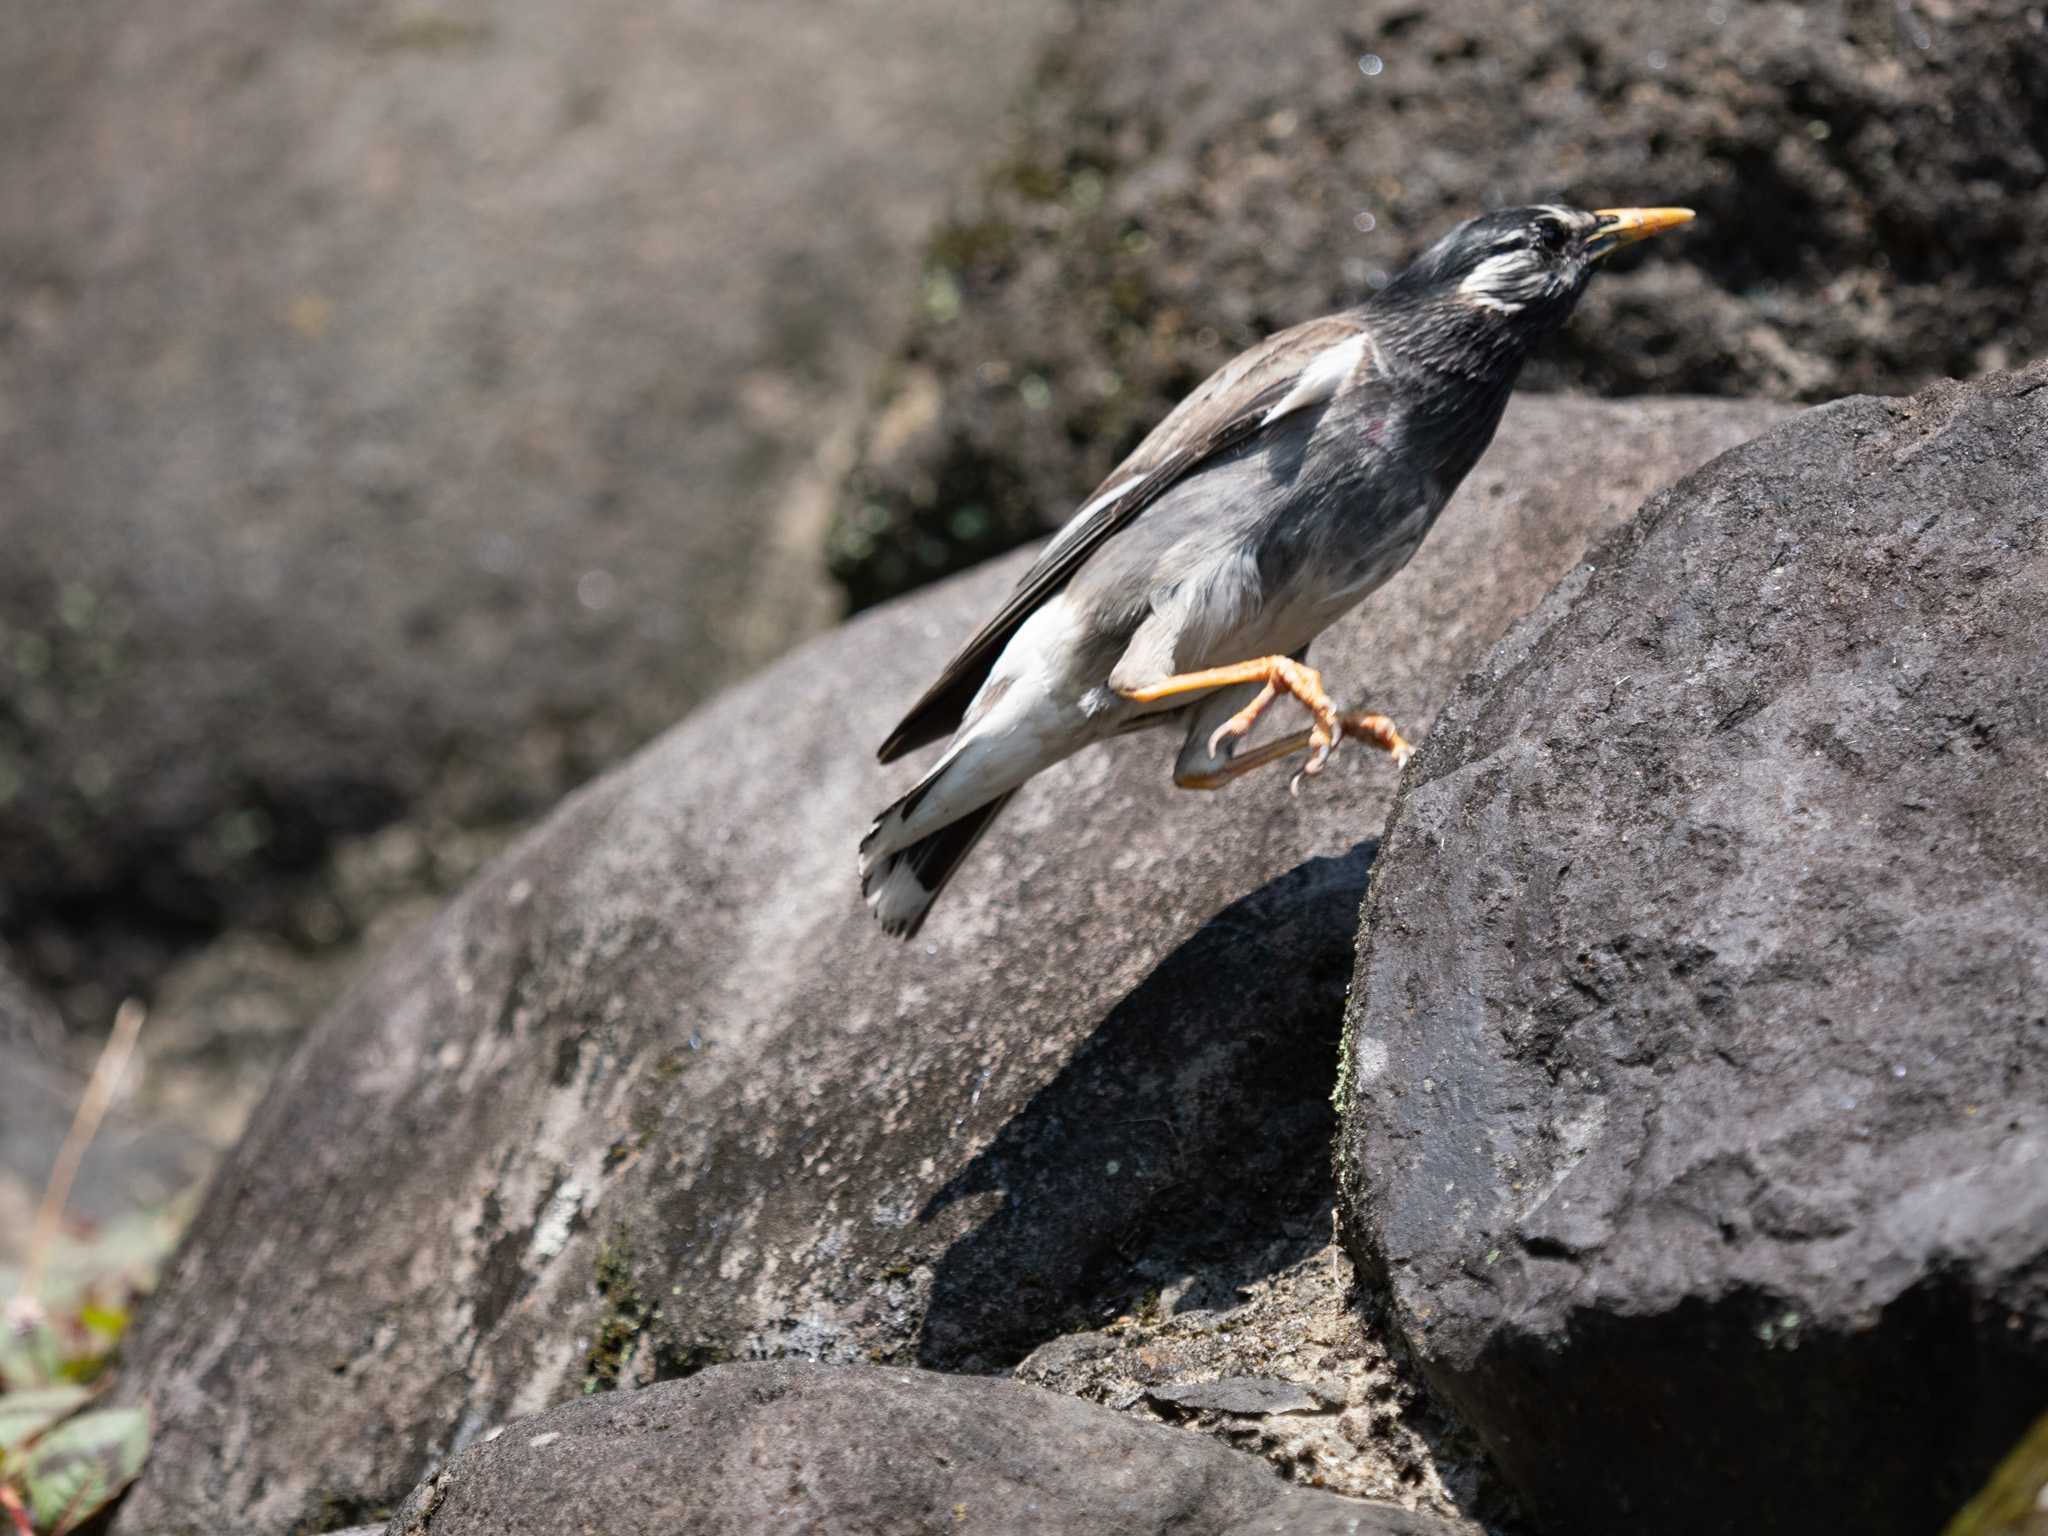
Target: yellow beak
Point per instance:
(1625, 226)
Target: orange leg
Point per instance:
(1279, 674)
(1377, 729)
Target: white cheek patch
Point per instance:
(1497, 281)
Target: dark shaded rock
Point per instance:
(1870, 178)
(405, 412)
(752, 1448)
(1697, 1088)
(654, 1092)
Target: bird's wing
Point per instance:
(1287, 372)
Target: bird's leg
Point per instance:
(1278, 674)
(1377, 729)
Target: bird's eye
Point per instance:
(1550, 236)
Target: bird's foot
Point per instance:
(1377, 729)
(1279, 674)
(1381, 732)
(1305, 684)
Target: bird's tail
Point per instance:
(901, 885)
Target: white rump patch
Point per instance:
(1321, 379)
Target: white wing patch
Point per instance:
(1318, 382)
(1074, 525)
(1321, 379)
(1490, 282)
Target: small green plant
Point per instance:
(62, 1460)
(58, 1466)
(2015, 1501)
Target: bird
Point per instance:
(1271, 501)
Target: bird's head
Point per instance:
(1512, 277)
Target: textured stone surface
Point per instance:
(1328, 1403)
(742, 1449)
(407, 409)
(654, 1091)
(1870, 178)
(1698, 1052)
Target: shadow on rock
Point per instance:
(1178, 1144)
(1860, 1400)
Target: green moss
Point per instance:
(630, 1324)
(625, 1318)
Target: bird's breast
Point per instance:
(1319, 566)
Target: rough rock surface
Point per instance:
(742, 1449)
(1288, 1367)
(407, 410)
(654, 1091)
(1698, 1056)
(1870, 178)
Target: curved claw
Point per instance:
(1241, 723)
(1323, 738)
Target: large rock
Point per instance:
(1871, 182)
(742, 1449)
(655, 1092)
(1697, 1104)
(406, 410)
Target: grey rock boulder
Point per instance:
(655, 1092)
(1871, 184)
(404, 414)
(741, 1449)
(1696, 1111)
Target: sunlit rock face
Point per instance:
(742, 1449)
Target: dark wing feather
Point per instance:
(1228, 409)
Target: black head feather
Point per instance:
(1498, 283)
